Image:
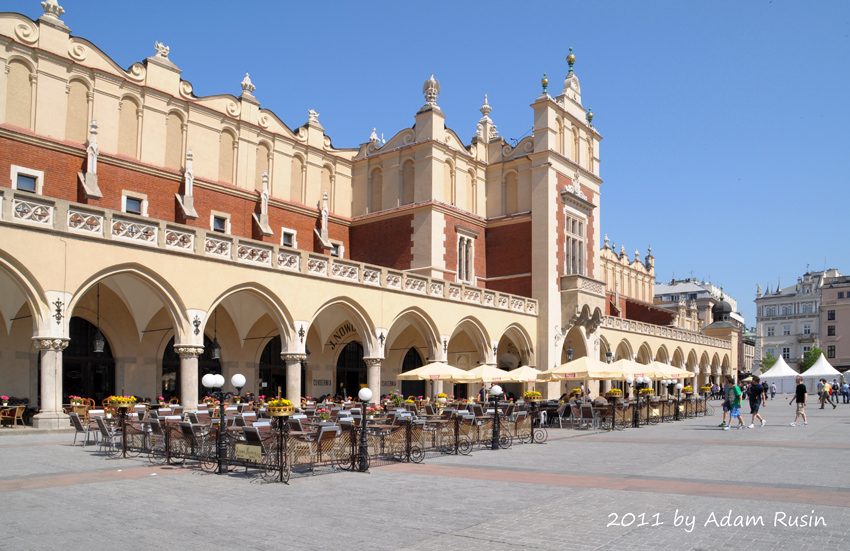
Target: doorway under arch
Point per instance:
(350, 370)
(412, 360)
(273, 371)
(85, 373)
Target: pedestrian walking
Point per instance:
(825, 397)
(836, 390)
(756, 394)
(772, 391)
(726, 408)
(733, 395)
(801, 397)
(845, 392)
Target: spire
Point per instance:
(486, 129)
(485, 109)
(572, 88)
(571, 59)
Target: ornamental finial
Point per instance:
(431, 89)
(52, 9)
(571, 59)
(590, 116)
(161, 49)
(485, 109)
(544, 82)
(247, 87)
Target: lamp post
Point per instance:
(679, 387)
(365, 395)
(212, 381)
(495, 392)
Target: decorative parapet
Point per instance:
(84, 220)
(582, 283)
(674, 333)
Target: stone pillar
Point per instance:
(373, 377)
(50, 415)
(293, 376)
(189, 375)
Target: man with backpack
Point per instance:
(756, 394)
(733, 396)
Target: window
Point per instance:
(464, 258)
(26, 179)
(830, 330)
(830, 315)
(287, 238)
(786, 330)
(575, 242)
(770, 331)
(134, 203)
(133, 206)
(807, 328)
(772, 352)
(786, 353)
(806, 350)
(335, 250)
(830, 351)
(220, 222)
(675, 298)
(693, 296)
(840, 294)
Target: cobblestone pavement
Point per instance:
(683, 485)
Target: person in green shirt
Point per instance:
(733, 394)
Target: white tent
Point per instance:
(820, 370)
(782, 375)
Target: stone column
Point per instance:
(293, 376)
(50, 415)
(189, 375)
(373, 377)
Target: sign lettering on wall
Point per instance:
(321, 382)
(388, 383)
(340, 334)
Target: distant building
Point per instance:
(748, 342)
(835, 321)
(788, 320)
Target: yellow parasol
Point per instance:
(635, 369)
(581, 369)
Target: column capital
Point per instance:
(373, 361)
(50, 344)
(293, 357)
(188, 351)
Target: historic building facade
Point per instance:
(788, 320)
(195, 234)
(835, 321)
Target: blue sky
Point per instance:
(725, 123)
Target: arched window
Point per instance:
(77, 116)
(85, 373)
(226, 152)
(376, 191)
(412, 360)
(263, 157)
(350, 369)
(574, 150)
(407, 182)
(449, 184)
(128, 127)
(296, 180)
(174, 141)
(18, 94)
(327, 186)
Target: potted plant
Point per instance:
(75, 400)
(280, 407)
(396, 398)
(441, 398)
(323, 414)
(372, 411)
(614, 393)
(705, 389)
(532, 396)
(122, 402)
(6, 400)
(688, 390)
(647, 391)
(162, 401)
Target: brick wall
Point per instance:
(509, 252)
(384, 242)
(60, 181)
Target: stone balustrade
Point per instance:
(666, 332)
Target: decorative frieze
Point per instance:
(371, 277)
(85, 222)
(50, 344)
(472, 295)
(415, 284)
(454, 292)
(217, 247)
(317, 266)
(393, 280)
(32, 212)
(437, 289)
(134, 231)
(517, 304)
(254, 254)
(289, 261)
(341, 270)
(179, 240)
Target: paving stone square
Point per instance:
(684, 485)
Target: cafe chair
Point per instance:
(80, 428)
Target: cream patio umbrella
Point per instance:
(436, 371)
(488, 374)
(635, 369)
(524, 374)
(672, 372)
(583, 368)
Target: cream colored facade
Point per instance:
(159, 285)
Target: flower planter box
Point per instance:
(281, 411)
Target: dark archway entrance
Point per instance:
(412, 360)
(85, 373)
(171, 369)
(350, 369)
(273, 371)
